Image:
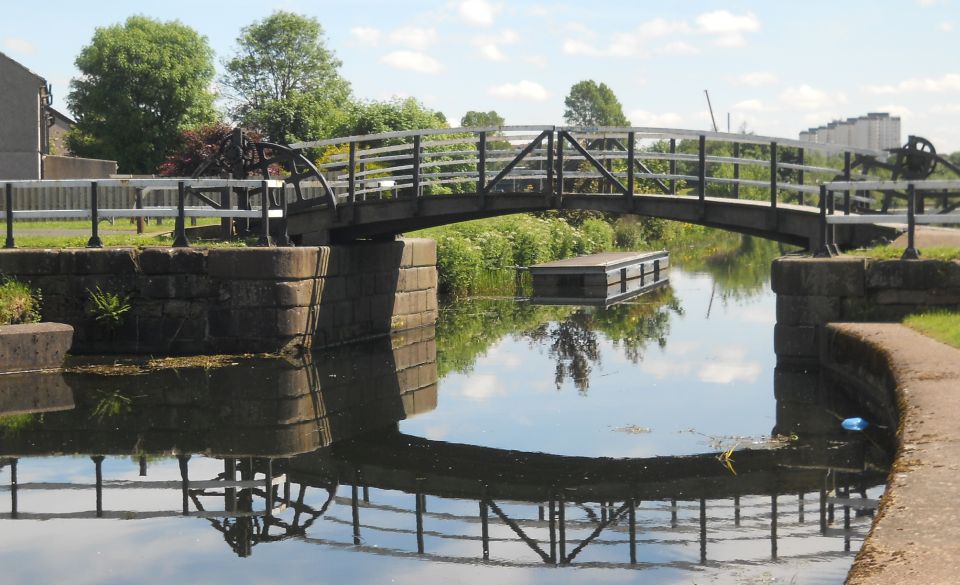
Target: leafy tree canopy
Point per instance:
(589, 104)
(388, 116)
(284, 81)
(474, 119)
(141, 84)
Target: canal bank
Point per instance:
(231, 300)
(916, 534)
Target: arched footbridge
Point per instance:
(384, 184)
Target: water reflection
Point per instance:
(310, 452)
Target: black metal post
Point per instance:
(562, 530)
(416, 166)
(736, 171)
(283, 238)
(264, 239)
(703, 530)
(673, 166)
(773, 527)
(485, 529)
(548, 190)
(179, 230)
(355, 509)
(823, 509)
(911, 252)
(702, 168)
(800, 508)
(226, 223)
(824, 250)
(631, 157)
(559, 202)
(419, 508)
(230, 475)
(94, 241)
(736, 511)
(13, 489)
(184, 482)
(352, 173)
(800, 161)
(633, 532)
(553, 530)
(832, 229)
(268, 488)
(98, 470)
(673, 512)
(9, 211)
(773, 175)
(482, 163)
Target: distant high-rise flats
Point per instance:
(876, 130)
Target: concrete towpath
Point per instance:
(916, 537)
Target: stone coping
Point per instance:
(916, 536)
(34, 346)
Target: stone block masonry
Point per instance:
(234, 300)
(812, 292)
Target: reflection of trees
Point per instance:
(738, 264)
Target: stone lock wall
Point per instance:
(235, 300)
(812, 292)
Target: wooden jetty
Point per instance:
(603, 279)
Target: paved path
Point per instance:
(916, 537)
(931, 237)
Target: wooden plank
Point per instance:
(596, 262)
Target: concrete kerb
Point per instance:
(916, 536)
(33, 347)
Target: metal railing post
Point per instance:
(631, 157)
(264, 239)
(824, 249)
(773, 175)
(800, 177)
(702, 169)
(180, 233)
(283, 238)
(94, 241)
(9, 214)
(559, 201)
(352, 173)
(911, 252)
(673, 166)
(736, 171)
(846, 177)
(548, 191)
(416, 166)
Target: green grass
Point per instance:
(894, 253)
(18, 303)
(119, 225)
(940, 325)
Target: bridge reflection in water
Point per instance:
(311, 452)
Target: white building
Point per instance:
(876, 130)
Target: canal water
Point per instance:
(513, 443)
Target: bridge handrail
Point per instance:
(650, 132)
(181, 212)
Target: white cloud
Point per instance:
(727, 28)
(752, 105)
(482, 387)
(18, 45)
(621, 45)
(679, 48)
(947, 82)
(478, 12)
(651, 120)
(413, 37)
(946, 109)
(492, 52)
(927, 3)
(523, 90)
(894, 110)
(412, 61)
(662, 368)
(536, 60)
(660, 27)
(758, 78)
(946, 27)
(726, 373)
(805, 97)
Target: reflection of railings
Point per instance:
(554, 538)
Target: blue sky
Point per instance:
(778, 67)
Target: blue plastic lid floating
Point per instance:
(854, 424)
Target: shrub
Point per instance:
(18, 302)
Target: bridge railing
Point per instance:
(556, 161)
(855, 197)
(82, 201)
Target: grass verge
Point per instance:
(943, 326)
(18, 303)
(894, 253)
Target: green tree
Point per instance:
(141, 84)
(388, 116)
(284, 81)
(589, 104)
(474, 119)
